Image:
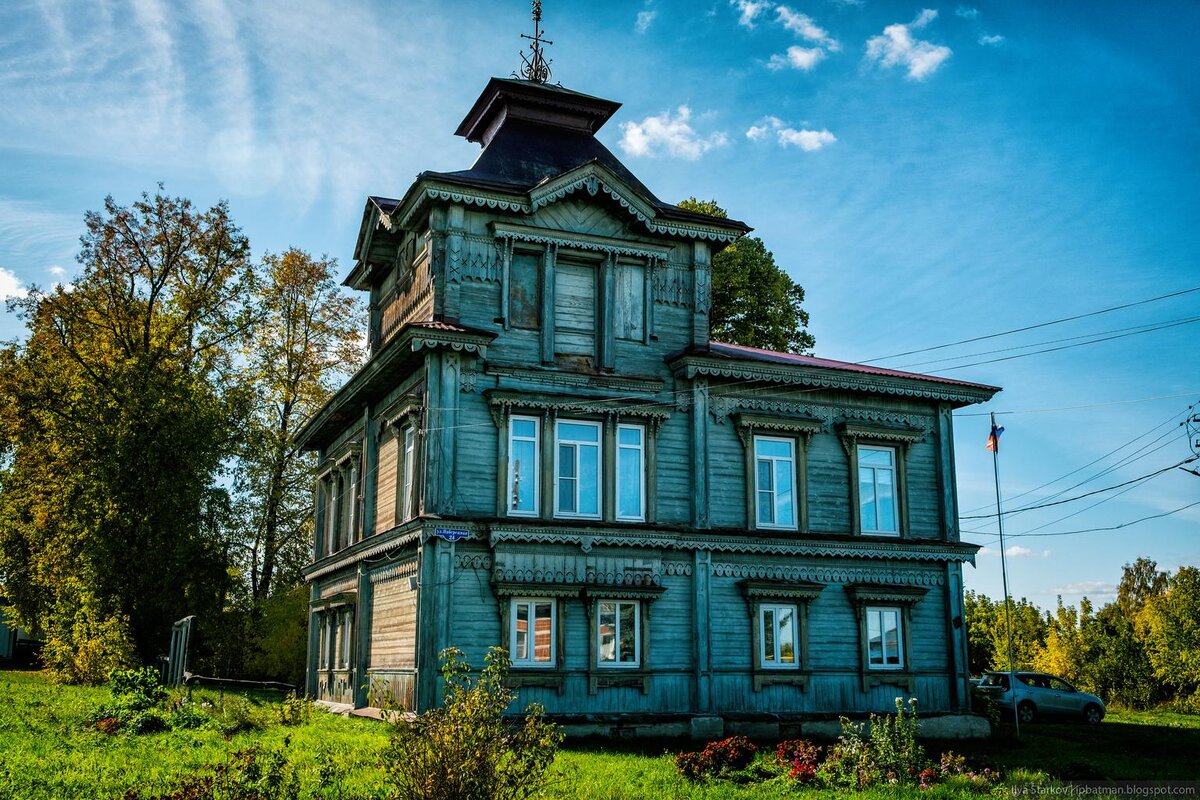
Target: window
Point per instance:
(779, 636)
(531, 638)
(577, 469)
(406, 506)
(352, 505)
(523, 452)
(618, 633)
(523, 295)
(631, 471)
(885, 643)
(877, 489)
(774, 482)
(346, 621)
(322, 641)
(574, 309)
(629, 308)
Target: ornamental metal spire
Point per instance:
(535, 67)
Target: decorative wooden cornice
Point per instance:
(620, 592)
(504, 403)
(781, 590)
(539, 588)
(825, 378)
(749, 424)
(594, 178)
(852, 432)
(579, 241)
(548, 532)
(860, 593)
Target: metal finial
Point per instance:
(536, 67)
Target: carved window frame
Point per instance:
(796, 430)
(333, 529)
(403, 419)
(606, 676)
(760, 593)
(519, 675)
(864, 597)
(899, 440)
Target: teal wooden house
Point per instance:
(546, 452)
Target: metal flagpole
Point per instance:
(1004, 575)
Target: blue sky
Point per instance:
(929, 173)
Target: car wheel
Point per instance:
(1093, 714)
(1026, 712)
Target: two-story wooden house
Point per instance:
(546, 452)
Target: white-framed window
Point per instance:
(532, 632)
(408, 439)
(877, 490)
(631, 472)
(618, 633)
(779, 636)
(775, 482)
(885, 638)
(577, 486)
(523, 472)
(346, 620)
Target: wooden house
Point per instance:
(546, 452)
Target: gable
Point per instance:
(580, 216)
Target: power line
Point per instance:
(1086, 494)
(1098, 530)
(1080, 408)
(1132, 330)
(1038, 325)
(1069, 346)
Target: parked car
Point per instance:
(1036, 694)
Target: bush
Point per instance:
(889, 754)
(251, 774)
(235, 715)
(189, 716)
(717, 759)
(137, 689)
(295, 710)
(149, 721)
(800, 758)
(465, 749)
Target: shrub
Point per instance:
(800, 758)
(465, 749)
(251, 774)
(148, 721)
(895, 751)
(716, 759)
(235, 715)
(189, 716)
(848, 763)
(137, 689)
(295, 710)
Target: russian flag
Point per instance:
(993, 442)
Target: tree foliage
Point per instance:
(171, 371)
(755, 303)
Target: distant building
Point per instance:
(546, 452)
(16, 645)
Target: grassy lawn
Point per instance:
(48, 751)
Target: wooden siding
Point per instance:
(393, 625)
(386, 477)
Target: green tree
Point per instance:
(1170, 626)
(1029, 628)
(755, 303)
(1140, 581)
(979, 613)
(116, 427)
(1065, 650)
(1116, 666)
(306, 335)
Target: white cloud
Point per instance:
(966, 12)
(663, 134)
(802, 25)
(806, 140)
(644, 20)
(1013, 551)
(750, 9)
(896, 46)
(10, 285)
(764, 127)
(991, 40)
(803, 58)
(56, 270)
(1093, 588)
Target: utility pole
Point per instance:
(994, 446)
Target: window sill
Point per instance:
(618, 678)
(766, 676)
(889, 677)
(543, 677)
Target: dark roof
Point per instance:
(555, 105)
(724, 350)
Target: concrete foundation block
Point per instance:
(706, 728)
(752, 730)
(955, 726)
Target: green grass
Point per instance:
(48, 752)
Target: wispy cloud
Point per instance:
(1015, 551)
(56, 270)
(749, 10)
(804, 138)
(664, 134)
(10, 284)
(803, 26)
(644, 20)
(966, 12)
(991, 40)
(29, 231)
(897, 46)
(1089, 588)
